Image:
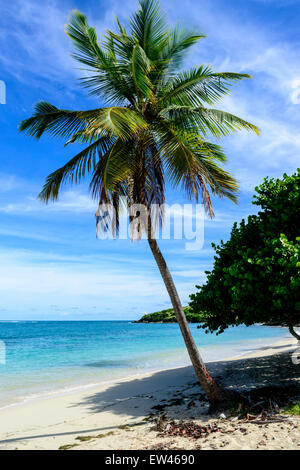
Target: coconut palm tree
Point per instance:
(153, 131)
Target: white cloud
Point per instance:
(33, 280)
(35, 31)
(25, 234)
(249, 46)
(70, 201)
(8, 182)
(192, 273)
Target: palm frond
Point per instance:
(179, 42)
(197, 86)
(84, 39)
(148, 27)
(58, 122)
(220, 181)
(181, 165)
(140, 68)
(227, 122)
(206, 121)
(108, 79)
(75, 169)
(118, 121)
(112, 170)
(195, 163)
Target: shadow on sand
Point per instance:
(138, 397)
(175, 385)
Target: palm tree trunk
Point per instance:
(215, 393)
(293, 332)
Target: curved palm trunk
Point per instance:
(293, 332)
(215, 393)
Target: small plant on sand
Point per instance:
(293, 409)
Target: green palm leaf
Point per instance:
(197, 86)
(149, 28)
(75, 169)
(207, 121)
(175, 49)
(108, 80)
(140, 68)
(114, 121)
(58, 122)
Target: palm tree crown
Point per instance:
(159, 117)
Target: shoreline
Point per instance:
(119, 410)
(81, 388)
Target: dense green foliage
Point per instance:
(168, 316)
(255, 277)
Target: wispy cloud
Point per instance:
(41, 283)
(252, 46)
(71, 201)
(34, 33)
(8, 182)
(21, 233)
(191, 273)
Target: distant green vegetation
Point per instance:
(168, 316)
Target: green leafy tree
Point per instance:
(153, 130)
(256, 274)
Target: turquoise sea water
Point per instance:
(48, 357)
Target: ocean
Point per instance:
(40, 358)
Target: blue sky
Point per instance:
(52, 266)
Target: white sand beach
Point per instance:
(116, 415)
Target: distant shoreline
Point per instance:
(168, 316)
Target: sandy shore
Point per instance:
(116, 416)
